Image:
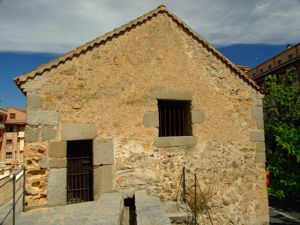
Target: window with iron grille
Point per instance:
(174, 118)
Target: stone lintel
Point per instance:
(260, 147)
(103, 151)
(258, 136)
(43, 117)
(78, 131)
(172, 94)
(57, 149)
(257, 113)
(34, 102)
(57, 187)
(175, 141)
(151, 119)
(57, 162)
(197, 117)
(260, 157)
(31, 134)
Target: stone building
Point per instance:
(3, 115)
(134, 106)
(13, 137)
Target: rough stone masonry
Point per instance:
(107, 91)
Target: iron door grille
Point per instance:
(79, 171)
(174, 118)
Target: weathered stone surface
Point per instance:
(260, 157)
(57, 162)
(257, 113)
(31, 134)
(175, 141)
(36, 165)
(48, 133)
(103, 180)
(103, 151)
(58, 149)
(260, 124)
(57, 187)
(260, 147)
(78, 131)
(34, 102)
(151, 119)
(44, 117)
(257, 136)
(172, 94)
(197, 117)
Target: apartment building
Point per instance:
(13, 137)
(277, 65)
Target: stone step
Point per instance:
(107, 210)
(149, 210)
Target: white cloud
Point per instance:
(60, 25)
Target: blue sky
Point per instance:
(33, 32)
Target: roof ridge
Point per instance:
(122, 29)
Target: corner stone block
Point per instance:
(78, 131)
(197, 117)
(259, 102)
(260, 124)
(31, 134)
(260, 157)
(260, 147)
(258, 136)
(103, 151)
(34, 102)
(57, 162)
(151, 119)
(257, 113)
(48, 133)
(44, 117)
(57, 184)
(57, 149)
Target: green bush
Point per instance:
(282, 130)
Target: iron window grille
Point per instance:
(174, 118)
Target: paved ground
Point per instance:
(284, 213)
(75, 214)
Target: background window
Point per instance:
(8, 155)
(174, 118)
(9, 142)
(12, 116)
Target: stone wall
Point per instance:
(115, 87)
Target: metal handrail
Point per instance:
(14, 178)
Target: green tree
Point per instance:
(282, 130)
